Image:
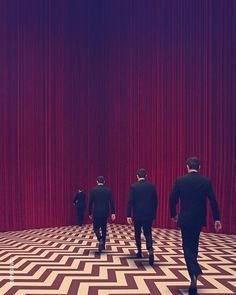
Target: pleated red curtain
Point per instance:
(105, 87)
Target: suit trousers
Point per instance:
(80, 215)
(190, 242)
(100, 228)
(147, 230)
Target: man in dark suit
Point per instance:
(141, 211)
(101, 204)
(80, 203)
(193, 190)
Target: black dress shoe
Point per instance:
(100, 246)
(192, 290)
(151, 258)
(139, 254)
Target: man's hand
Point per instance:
(113, 217)
(175, 219)
(129, 220)
(90, 216)
(218, 226)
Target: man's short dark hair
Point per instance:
(100, 179)
(193, 163)
(141, 173)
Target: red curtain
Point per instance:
(105, 87)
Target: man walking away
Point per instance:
(193, 190)
(101, 204)
(80, 203)
(141, 211)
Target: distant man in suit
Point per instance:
(193, 190)
(141, 211)
(80, 203)
(101, 204)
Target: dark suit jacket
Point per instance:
(101, 202)
(142, 201)
(193, 191)
(80, 200)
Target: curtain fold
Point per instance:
(105, 87)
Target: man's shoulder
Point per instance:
(93, 188)
(183, 177)
(189, 176)
(148, 183)
(100, 188)
(106, 188)
(143, 183)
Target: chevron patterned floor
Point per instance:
(65, 261)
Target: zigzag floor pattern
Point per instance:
(65, 261)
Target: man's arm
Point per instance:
(75, 199)
(213, 203)
(84, 200)
(130, 207)
(112, 206)
(174, 198)
(91, 200)
(155, 203)
(214, 208)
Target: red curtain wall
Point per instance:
(105, 87)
